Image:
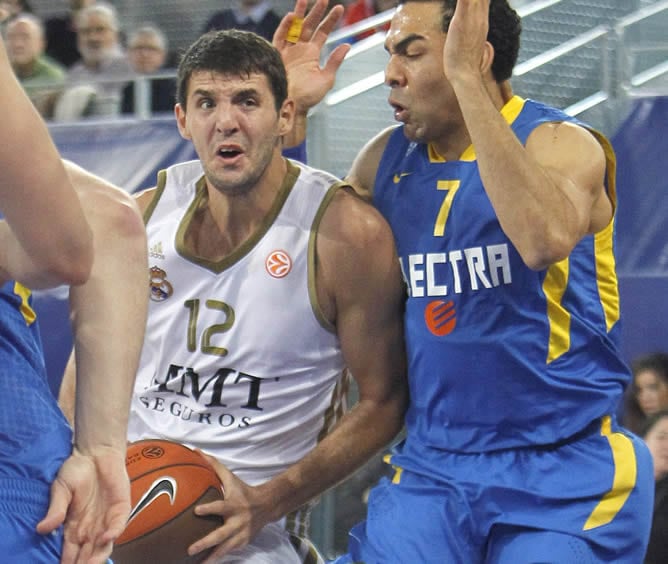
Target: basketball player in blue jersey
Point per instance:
(63, 498)
(503, 214)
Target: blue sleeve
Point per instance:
(297, 153)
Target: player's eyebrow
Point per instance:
(245, 93)
(402, 46)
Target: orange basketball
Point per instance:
(167, 481)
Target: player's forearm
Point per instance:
(533, 209)
(109, 317)
(361, 433)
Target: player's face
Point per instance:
(652, 391)
(420, 93)
(234, 126)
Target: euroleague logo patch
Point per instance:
(278, 264)
(440, 317)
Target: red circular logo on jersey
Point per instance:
(440, 317)
(278, 264)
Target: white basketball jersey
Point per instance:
(238, 359)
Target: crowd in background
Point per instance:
(87, 63)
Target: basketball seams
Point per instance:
(175, 464)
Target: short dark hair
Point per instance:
(505, 28)
(236, 53)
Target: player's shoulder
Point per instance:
(362, 174)
(354, 221)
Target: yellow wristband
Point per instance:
(295, 31)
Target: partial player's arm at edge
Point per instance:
(362, 174)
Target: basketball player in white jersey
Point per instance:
(270, 283)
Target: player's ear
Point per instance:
(286, 117)
(180, 113)
(487, 58)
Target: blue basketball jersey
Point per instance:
(35, 437)
(499, 355)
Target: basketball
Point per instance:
(167, 480)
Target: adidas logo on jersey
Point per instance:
(155, 251)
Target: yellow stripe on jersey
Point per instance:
(559, 318)
(398, 471)
(26, 310)
(624, 480)
(606, 275)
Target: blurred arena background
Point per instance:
(604, 61)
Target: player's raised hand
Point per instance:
(465, 41)
(91, 497)
(300, 39)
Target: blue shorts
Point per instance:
(586, 500)
(23, 504)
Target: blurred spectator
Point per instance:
(655, 434)
(11, 8)
(41, 78)
(147, 52)
(104, 69)
(61, 34)
(648, 393)
(361, 9)
(250, 15)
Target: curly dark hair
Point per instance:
(505, 28)
(236, 53)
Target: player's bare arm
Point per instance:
(48, 227)
(361, 292)
(362, 175)
(548, 195)
(67, 392)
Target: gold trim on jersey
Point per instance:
(313, 258)
(218, 266)
(160, 188)
(305, 549)
(298, 521)
(624, 480)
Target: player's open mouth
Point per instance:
(229, 153)
(400, 112)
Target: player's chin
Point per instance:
(414, 132)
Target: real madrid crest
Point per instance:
(161, 288)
